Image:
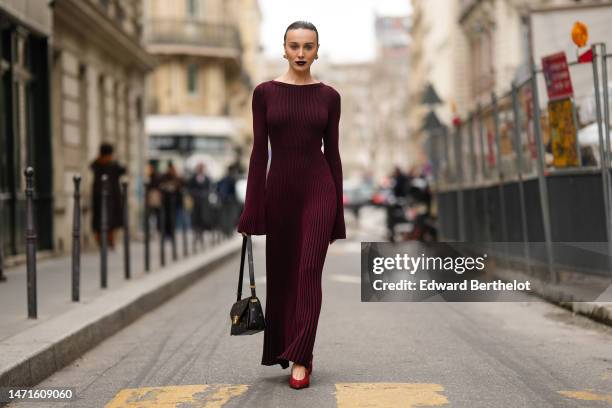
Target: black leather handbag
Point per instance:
(247, 315)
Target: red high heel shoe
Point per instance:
(303, 383)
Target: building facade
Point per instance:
(73, 76)
(98, 92)
(25, 137)
(390, 98)
(199, 94)
(437, 47)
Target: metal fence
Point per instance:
(502, 175)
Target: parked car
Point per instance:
(381, 196)
(356, 196)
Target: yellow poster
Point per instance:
(562, 130)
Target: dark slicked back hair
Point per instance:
(106, 149)
(301, 24)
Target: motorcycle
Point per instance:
(409, 218)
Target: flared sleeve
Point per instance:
(332, 155)
(252, 220)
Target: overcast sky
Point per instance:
(346, 27)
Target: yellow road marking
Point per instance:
(205, 396)
(587, 396)
(389, 395)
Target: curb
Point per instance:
(598, 311)
(34, 354)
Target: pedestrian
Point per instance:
(106, 164)
(226, 191)
(171, 186)
(199, 187)
(153, 193)
(299, 206)
(400, 183)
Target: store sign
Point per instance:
(557, 76)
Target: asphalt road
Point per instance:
(528, 354)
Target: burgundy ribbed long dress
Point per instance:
(298, 207)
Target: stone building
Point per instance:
(199, 94)
(435, 60)
(25, 137)
(73, 76)
(358, 145)
(468, 49)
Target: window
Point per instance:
(192, 78)
(192, 8)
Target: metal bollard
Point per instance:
(147, 233)
(104, 233)
(76, 240)
(194, 241)
(185, 244)
(126, 230)
(162, 230)
(30, 244)
(173, 224)
(2, 277)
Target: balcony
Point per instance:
(466, 7)
(192, 37)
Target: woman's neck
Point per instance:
(297, 78)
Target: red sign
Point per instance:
(557, 75)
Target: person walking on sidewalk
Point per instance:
(299, 206)
(105, 164)
(226, 190)
(153, 194)
(171, 186)
(199, 187)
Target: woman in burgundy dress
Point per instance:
(299, 205)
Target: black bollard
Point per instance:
(185, 244)
(104, 232)
(173, 224)
(126, 230)
(76, 240)
(2, 277)
(162, 230)
(147, 233)
(30, 244)
(194, 241)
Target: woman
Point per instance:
(299, 206)
(199, 187)
(105, 164)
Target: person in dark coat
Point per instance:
(105, 164)
(401, 183)
(199, 188)
(171, 186)
(226, 190)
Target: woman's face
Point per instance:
(301, 48)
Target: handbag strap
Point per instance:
(246, 247)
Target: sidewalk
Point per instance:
(571, 287)
(32, 349)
